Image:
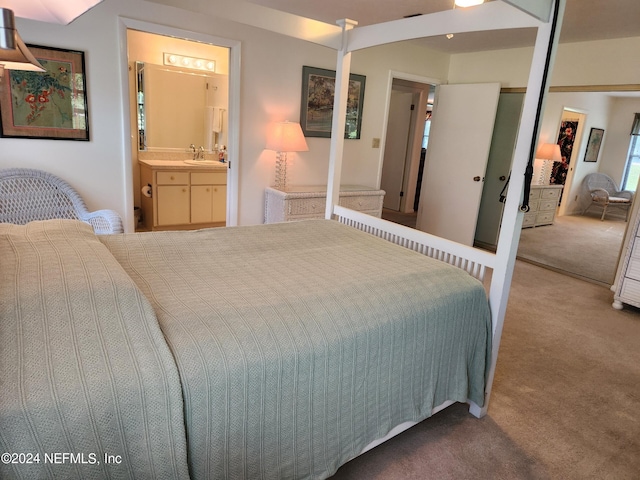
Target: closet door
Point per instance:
(500, 158)
(461, 131)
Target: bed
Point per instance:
(271, 351)
(295, 345)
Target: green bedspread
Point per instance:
(84, 368)
(297, 344)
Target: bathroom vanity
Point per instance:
(180, 195)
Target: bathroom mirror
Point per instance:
(177, 108)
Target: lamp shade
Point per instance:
(14, 54)
(51, 11)
(549, 151)
(286, 137)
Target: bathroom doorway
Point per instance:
(222, 98)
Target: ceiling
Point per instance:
(583, 20)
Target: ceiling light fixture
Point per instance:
(468, 3)
(14, 54)
(203, 64)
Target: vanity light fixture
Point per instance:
(14, 54)
(203, 64)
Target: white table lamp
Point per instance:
(285, 137)
(548, 153)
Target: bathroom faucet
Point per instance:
(192, 147)
(201, 153)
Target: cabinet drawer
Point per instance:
(306, 206)
(550, 193)
(534, 194)
(547, 205)
(544, 218)
(630, 290)
(172, 178)
(633, 269)
(529, 220)
(360, 203)
(208, 178)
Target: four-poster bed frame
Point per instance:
(543, 15)
(546, 16)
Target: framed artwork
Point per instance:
(50, 104)
(316, 111)
(593, 145)
(566, 139)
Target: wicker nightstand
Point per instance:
(309, 201)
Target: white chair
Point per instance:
(604, 192)
(27, 195)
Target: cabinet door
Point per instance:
(219, 211)
(201, 203)
(173, 204)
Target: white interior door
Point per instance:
(459, 142)
(395, 149)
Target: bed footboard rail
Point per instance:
(472, 260)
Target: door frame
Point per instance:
(412, 177)
(233, 147)
(575, 156)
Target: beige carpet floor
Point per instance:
(565, 402)
(580, 245)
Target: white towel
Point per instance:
(216, 119)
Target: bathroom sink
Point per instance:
(203, 162)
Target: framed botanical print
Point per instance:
(50, 104)
(593, 145)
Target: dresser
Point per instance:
(309, 201)
(543, 203)
(627, 284)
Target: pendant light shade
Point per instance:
(51, 11)
(14, 54)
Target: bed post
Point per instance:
(537, 87)
(339, 119)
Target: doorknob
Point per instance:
(502, 178)
(476, 179)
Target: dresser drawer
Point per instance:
(362, 202)
(547, 205)
(550, 193)
(208, 178)
(307, 206)
(544, 218)
(633, 269)
(534, 194)
(529, 220)
(172, 178)
(630, 290)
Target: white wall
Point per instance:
(270, 91)
(603, 62)
(615, 147)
